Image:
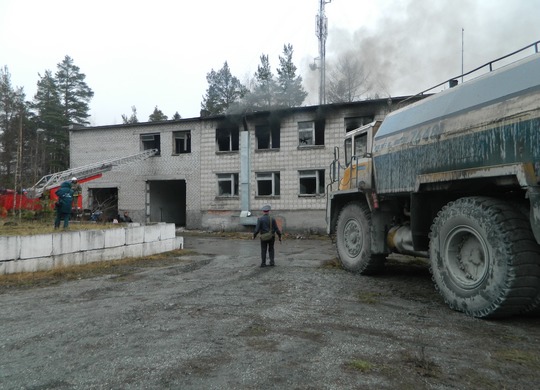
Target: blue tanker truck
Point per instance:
(454, 178)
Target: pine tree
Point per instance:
(51, 119)
(12, 107)
(176, 116)
(224, 91)
(75, 94)
(157, 116)
(291, 93)
(265, 89)
(132, 118)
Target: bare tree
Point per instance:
(348, 79)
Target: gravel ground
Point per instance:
(215, 320)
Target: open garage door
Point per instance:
(166, 201)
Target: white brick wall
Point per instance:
(200, 167)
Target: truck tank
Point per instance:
(490, 121)
(454, 177)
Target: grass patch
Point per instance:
(360, 365)
(369, 298)
(332, 263)
(422, 364)
(524, 358)
(75, 272)
(12, 227)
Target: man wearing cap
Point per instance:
(268, 228)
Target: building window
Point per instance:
(356, 122)
(311, 182)
(227, 139)
(311, 133)
(182, 142)
(268, 184)
(151, 141)
(227, 184)
(268, 137)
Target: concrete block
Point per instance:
(66, 242)
(135, 250)
(152, 233)
(92, 239)
(151, 248)
(23, 265)
(115, 237)
(92, 256)
(167, 245)
(68, 259)
(113, 253)
(179, 244)
(167, 231)
(134, 235)
(10, 248)
(39, 245)
(44, 263)
(4, 267)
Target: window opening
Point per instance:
(182, 142)
(227, 139)
(268, 184)
(227, 184)
(151, 141)
(312, 182)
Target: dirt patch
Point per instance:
(212, 319)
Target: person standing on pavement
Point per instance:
(63, 205)
(267, 228)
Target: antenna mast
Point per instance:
(321, 31)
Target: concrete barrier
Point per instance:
(46, 251)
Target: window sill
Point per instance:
(267, 150)
(267, 196)
(310, 195)
(300, 147)
(227, 152)
(227, 197)
(180, 154)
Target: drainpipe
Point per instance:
(245, 170)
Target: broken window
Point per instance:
(355, 122)
(311, 182)
(182, 142)
(311, 133)
(227, 139)
(268, 184)
(268, 137)
(227, 184)
(151, 141)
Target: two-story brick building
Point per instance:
(216, 172)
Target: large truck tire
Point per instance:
(353, 240)
(484, 259)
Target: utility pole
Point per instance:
(321, 32)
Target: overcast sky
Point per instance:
(157, 53)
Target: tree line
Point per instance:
(34, 135)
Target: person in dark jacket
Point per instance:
(267, 226)
(63, 205)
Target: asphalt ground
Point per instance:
(213, 319)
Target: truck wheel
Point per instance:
(484, 260)
(353, 236)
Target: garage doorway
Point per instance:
(166, 201)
